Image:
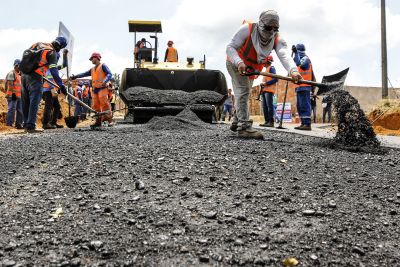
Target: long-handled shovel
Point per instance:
(74, 120)
(328, 84)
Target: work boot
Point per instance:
(304, 127)
(251, 133)
(270, 124)
(49, 126)
(234, 126)
(298, 127)
(34, 130)
(263, 124)
(97, 124)
(59, 126)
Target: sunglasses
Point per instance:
(270, 28)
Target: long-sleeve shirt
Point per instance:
(52, 59)
(49, 74)
(89, 73)
(303, 62)
(239, 39)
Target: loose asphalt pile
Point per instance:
(185, 120)
(131, 196)
(355, 132)
(147, 97)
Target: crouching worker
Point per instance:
(101, 75)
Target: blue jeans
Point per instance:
(227, 108)
(31, 97)
(14, 106)
(304, 106)
(78, 109)
(268, 106)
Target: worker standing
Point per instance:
(52, 107)
(228, 105)
(303, 91)
(78, 94)
(32, 82)
(13, 95)
(90, 93)
(171, 54)
(101, 75)
(326, 108)
(249, 47)
(85, 99)
(268, 87)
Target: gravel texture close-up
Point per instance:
(138, 195)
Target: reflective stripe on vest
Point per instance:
(268, 88)
(172, 55)
(249, 54)
(43, 64)
(98, 76)
(14, 87)
(306, 74)
(49, 77)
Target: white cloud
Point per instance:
(15, 41)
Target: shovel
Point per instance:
(71, 121)
(328, 83)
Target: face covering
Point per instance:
(266, 19)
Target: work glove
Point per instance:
(294, 49)
(63, 89)
(13, 97)
(72, 77)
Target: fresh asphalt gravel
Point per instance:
(134, 195)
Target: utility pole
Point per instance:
(385, 92)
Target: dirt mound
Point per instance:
(185, 120)
(355, 132)
(385, 118)
(149, 96)
(4, 107)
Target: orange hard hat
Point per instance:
(95, 54)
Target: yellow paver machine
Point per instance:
(152, 88)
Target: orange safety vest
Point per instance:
(248, 53)
(306, 74)
(268, 88)
(43, 64)
(172, 54)
(14, 87)
(98, 76)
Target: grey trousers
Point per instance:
(241, 87)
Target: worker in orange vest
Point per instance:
(268, 87)
(32, 82)
(13, 95)
(101, 75)
(303, 91)
(171, 54)
(248, 49)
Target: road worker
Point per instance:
(171, 54)
(248, 49)
(13, 94)
(268, 87)
(101, 75)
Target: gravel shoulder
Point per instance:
(131, 196)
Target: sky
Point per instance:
(337, 33)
